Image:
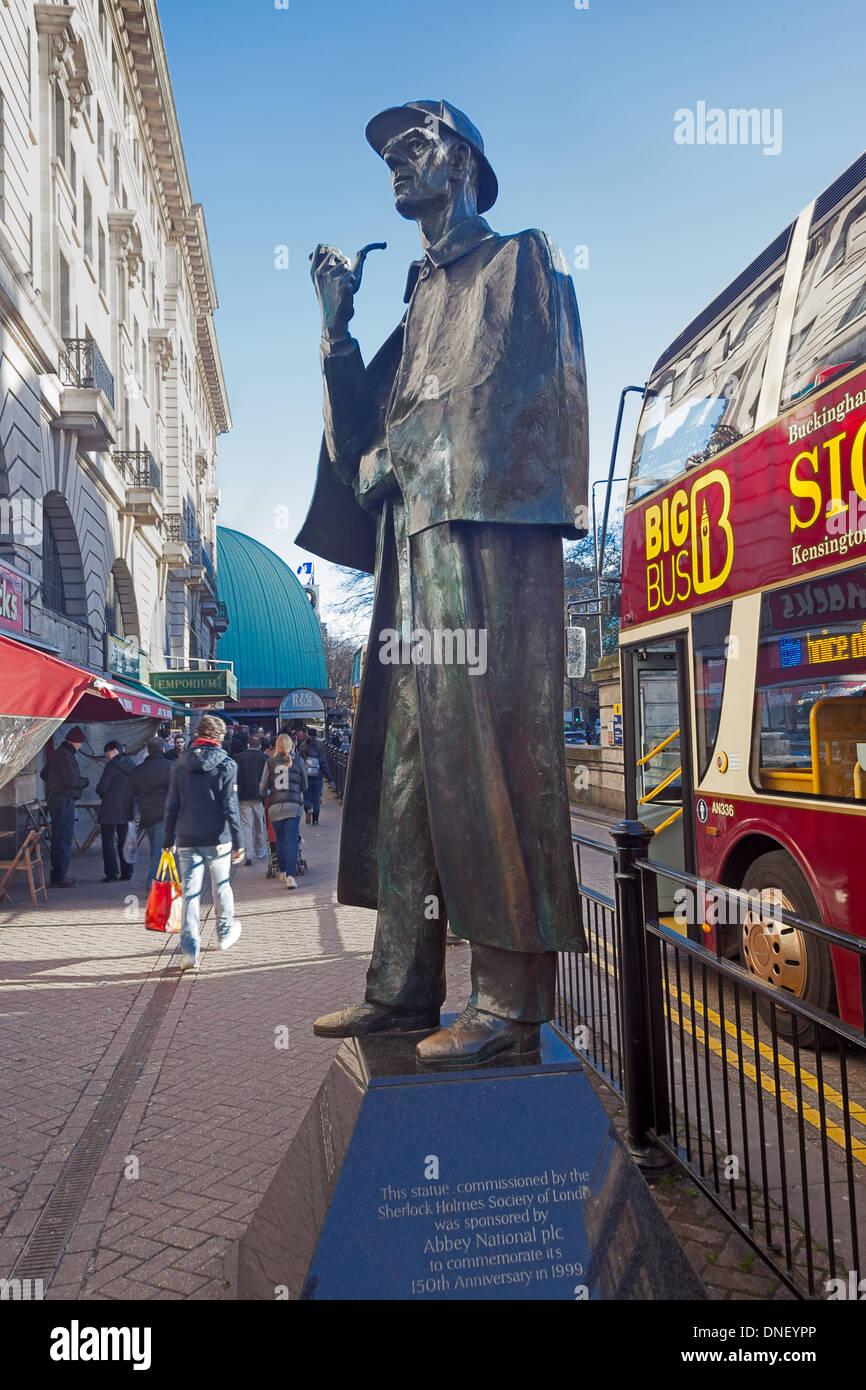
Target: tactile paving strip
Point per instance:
(44, 1249)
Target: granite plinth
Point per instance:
(499, 1182)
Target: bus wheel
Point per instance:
(779, 955)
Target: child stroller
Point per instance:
(273, 870)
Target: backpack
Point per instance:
(312, 766)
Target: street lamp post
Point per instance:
(608, 483)
(599, 552)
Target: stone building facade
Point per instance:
(111, 388)
(112, 394)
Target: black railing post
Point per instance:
(655, 997)
(632, 839)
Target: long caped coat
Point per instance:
(476, 408)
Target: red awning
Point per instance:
(136, 703)
(44, 687)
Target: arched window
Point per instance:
(121, 608)
(63, 587)
(53, 592)
(114, 609)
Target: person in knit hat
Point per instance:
(64, 784)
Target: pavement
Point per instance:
(143, 1113)
(208, 1075)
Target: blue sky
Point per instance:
(577, 111)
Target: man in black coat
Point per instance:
(240, 742)
(112, 818)
(251, 763)
(147, 787)
(64, 784)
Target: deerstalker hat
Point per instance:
(397, 119)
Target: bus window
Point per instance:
(829, 329)
(684, 425)
(810, 700)
(710, 633)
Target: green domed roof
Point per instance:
(274, 637)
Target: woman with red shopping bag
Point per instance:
(165, 899)
(203, 819)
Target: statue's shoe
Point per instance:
(360, 1019)
(474, 1038)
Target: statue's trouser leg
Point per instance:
(407, 968)
(514, 984)
(490, 715)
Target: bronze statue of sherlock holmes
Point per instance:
(452, 466)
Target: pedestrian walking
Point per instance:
(113, 820)
(203, 820)
(178, 744)
(316, 762)
(147, 788)
(251, 764)
(64, 783)
(240, 742)
(283, 784)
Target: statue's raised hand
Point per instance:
(337, 281)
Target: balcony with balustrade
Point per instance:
(221, 619)
(176, 549)
(196, 576)
(87, 398)
(143, 479)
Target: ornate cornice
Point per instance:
(67, 54)
(162, 344)
(142, 36)
(126, 239)
(54, 24)
(78, 82)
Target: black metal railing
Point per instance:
(757, 1094)
(173, 528)
(207, 562)
(338, 765)
(139, 467)
(588, 986)
(221, 618)
(83, 365)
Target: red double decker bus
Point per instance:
(743, 637)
